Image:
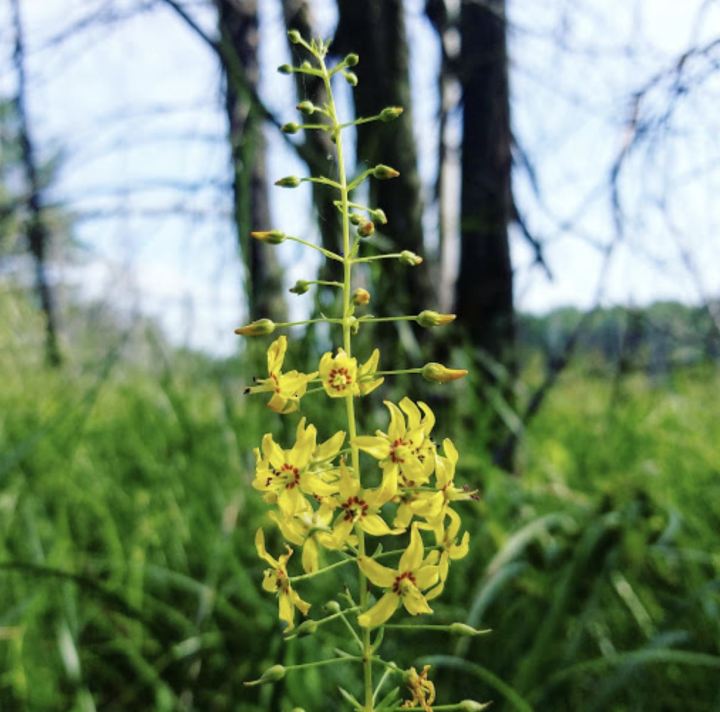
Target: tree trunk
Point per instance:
(375, 29)
(38, 236)
(484, 289)
(238, 25)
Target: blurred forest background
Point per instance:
(559, 173)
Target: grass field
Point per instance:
(128, 579)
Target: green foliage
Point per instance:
(128, 579)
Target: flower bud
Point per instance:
(301, 286)
(351, 60)
(290, 128)
(306, 107)
(332, 606)
(360, 297)
(294, 36)
(378, 215)
(465, 629)
(261, 327)
(272, 674)
(390, 113)
(410, 258)
(356, 218)
(306, 65)
(473, 706)
(273, 237)
(288, 182)
(307, 627)
(430, 318)
(351, 78)
(383, 172)
(437, 373)
(366, 229)
(285, 69)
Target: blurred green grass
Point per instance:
(128, 579)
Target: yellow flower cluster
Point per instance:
(321, 503)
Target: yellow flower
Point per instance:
(406, 452)
(276, 580)
(403, 585)
(358, 506)
(367, 382)
(284, 475)
(338, 374)
(422, 689)
(308, 528)
(287, 388)
(445, 474)
(449, 550)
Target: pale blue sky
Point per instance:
(136, 108)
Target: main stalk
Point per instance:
(347, 345)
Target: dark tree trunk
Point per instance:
(238, 25)
(484, 289)
(375, 29)
(38, 236)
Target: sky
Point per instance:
(132, 102)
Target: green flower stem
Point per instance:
(357, 181)
(354, 634)
(397, 372)
(322, 180)
(320, 663)
(436, 708)
(323, 570)
(361, 120)
(378, 319)
(328, 253)
(380, 684)
(374, 258)
(327, 619)
(347, 343)
(325, 283)
(309, 321)
(430, 626)
(320, 127)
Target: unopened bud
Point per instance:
(332, 606)
(390, 113)
(465, 629)
(301, 286)
(351, 78)
(294, 36)
(473, 706)
(361, 296)
(430, 318)
(285, 69)
(378, 215)
(288, 182)
(261, 327)
(273, 237)
(383, 172)
(437, 373)
(356, 218)
(306, 107)
(410, 258)
(290, 128)
(307, 627)
(272, 674)
(351, 60)
(366, 229)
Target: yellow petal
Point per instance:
(389, 485)
(375, 525)
(304, 446)
(276, 354)
(281, 405)
(426, 576)
(459, 551)
(348, 484)
(396, 428)
(378, 447)
(450, 451)
(330, 448)
(272, 451)
(380, 575)
(403, 517)
(310, 557)
(302, 606)
(262, 551)
(341, 532)
(286, 610)
(412, 557)
(455, 523)
(380, 612)
(429, 419)
(290, 529)
(435, 592)
(415, 602)
(269, 582)
(412, 412)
